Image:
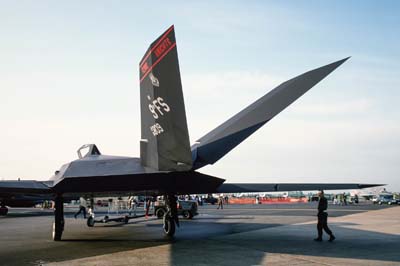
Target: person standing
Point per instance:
(82, 208)
(132, 205)
(110, 205)
(220, 202)
(323, 218)
(148, 201)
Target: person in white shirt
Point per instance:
(82, 208)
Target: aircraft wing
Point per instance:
(270, 187)
(23, 187)
(180, 184)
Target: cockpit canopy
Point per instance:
(88, 150)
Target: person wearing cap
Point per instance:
(323, 218)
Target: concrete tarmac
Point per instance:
(237, 235)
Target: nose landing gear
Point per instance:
(171, 216)
(3, 210)
(58, 224)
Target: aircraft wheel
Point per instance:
(160, 213)
(90, 221)
(169, 226)
(105, 219)
(3, 211)
(126, 219)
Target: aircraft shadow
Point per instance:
(255, 247)
(218, 241)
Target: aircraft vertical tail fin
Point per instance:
(165, 142)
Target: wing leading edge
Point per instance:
(177, 182)
(24, 187)
(270, 187)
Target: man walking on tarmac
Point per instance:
(323, 218)
(82, 207)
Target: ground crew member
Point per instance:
(132, 203)
(323, 218)
(82, 208)
(220, 202)
(147, 207)
(110, 203)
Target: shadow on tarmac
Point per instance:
(249, 249)
(207, 240)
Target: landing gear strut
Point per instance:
(171, 216)
(90, 220)
(3, 209)
(58, 224)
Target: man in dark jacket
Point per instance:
(323, 218)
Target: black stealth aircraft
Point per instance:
(168, 164)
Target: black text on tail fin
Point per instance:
(165, 139)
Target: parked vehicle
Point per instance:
(186, 208)
(210, 200)
(385, 199)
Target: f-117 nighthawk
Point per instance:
(168, 165)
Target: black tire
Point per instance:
(186, 214)
(90, 221)
(3, 211)
(126, 219)
(169, 226)
(105, 219)
(160, 212)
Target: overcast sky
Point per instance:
(69, 76)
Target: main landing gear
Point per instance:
(3, 209)
(171, 216)
(90, 220)
(58, 224)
